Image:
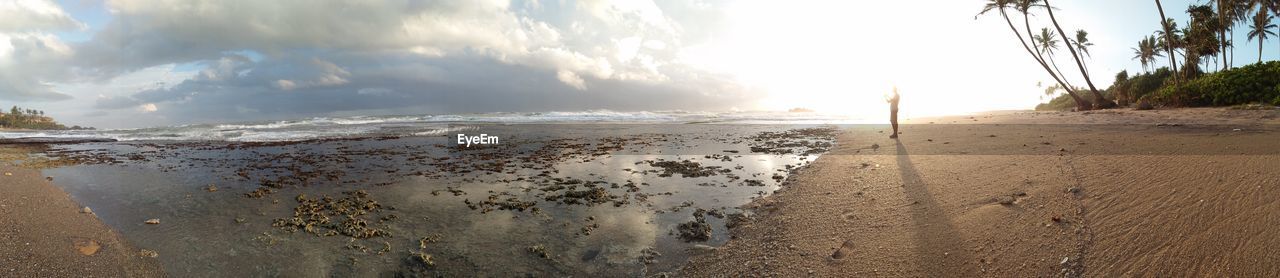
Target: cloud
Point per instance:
(27, 61)
(413, 84)
(572, 79)
(30, 57)
(292, 58)
(34, 15)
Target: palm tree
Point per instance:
(1082, 44)
(1229, 12)
(1167, 27)
(1146, 52)
(1261, 23)
(1046, 43)
(1100, 100)
(1273, 6)
(1140, 54)
(1024, 7)
(1200, 39)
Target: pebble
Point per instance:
(86, 210)
(148, 253)
(153, 221)
(1005, 200)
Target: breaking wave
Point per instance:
(411, 125)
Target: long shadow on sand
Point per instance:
(939, 246)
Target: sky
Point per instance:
(139, 63)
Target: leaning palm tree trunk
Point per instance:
(1098, 99)
(1168, 43)
(1055, 68)
(1081, 103)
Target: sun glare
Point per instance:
(819, 58)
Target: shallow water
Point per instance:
(435, 191)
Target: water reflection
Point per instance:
(223, 232)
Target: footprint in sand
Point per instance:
(844, 250)
(87, 247)
(849, 215)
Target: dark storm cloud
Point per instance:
(410, 84)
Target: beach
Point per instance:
(1187, 192)
(47, 234)
(1010, 193)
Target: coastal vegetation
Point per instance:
(24, 118)
(1204, 44)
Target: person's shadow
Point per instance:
(939, 246)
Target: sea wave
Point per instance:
(415, 125)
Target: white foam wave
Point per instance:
(419, 125)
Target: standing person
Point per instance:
(893, 110)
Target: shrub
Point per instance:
(1256, 83)
(1060, 103)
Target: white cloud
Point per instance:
(287, 85)
(571, 79)
(34, 15)
(29, 56)
(147, 107)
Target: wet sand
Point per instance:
(43, 233)
(1188, 192)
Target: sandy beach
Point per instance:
(47, 234)
(1190, 192)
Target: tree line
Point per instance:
(25, 118)
(1204, 42)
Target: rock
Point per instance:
(1144, 105)
(838, 254)
(540, 251)
(1065, 260)
(8, 174)
(1073, 190)
(87, 247)
(701, 248)
(1005, 200)
(211, 188)
(696, 230)
(48, 178)
(148, 253)
(86, 210)
(153, 221)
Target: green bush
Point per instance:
(1060, 103)
(1143, 84)
(1256, 83)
